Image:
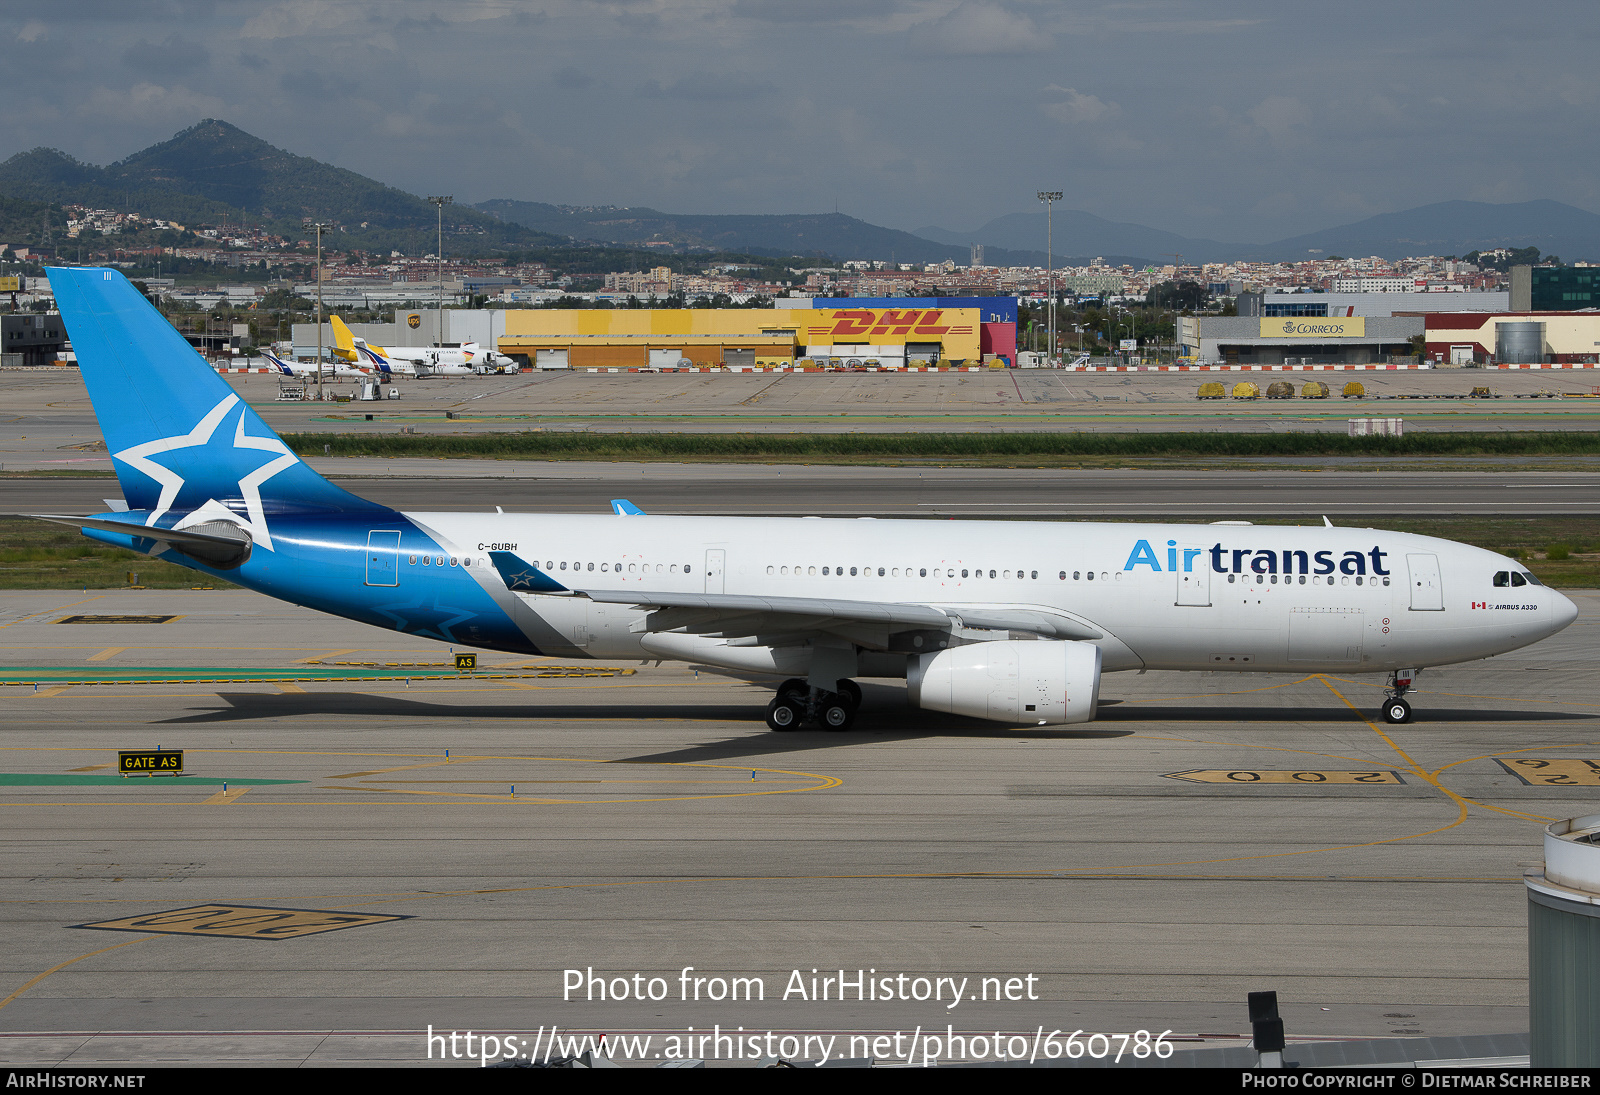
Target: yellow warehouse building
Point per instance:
(661, 337)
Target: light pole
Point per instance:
(439, 201)
(319, 226)
(1050, 197)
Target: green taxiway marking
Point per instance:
(34, 779)
(221, 675)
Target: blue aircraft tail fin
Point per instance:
(181, 438)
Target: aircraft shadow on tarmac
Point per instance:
(885, 717)
(1331, 714)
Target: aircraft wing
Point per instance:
(731, 614)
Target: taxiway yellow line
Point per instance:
(68, 962)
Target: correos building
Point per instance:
(1298, 340)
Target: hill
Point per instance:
(1443, 228)
(821, 235)
(214, 171)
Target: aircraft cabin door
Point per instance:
(383, 558)
(1427, 589)
(715, 565)
(1193, 575)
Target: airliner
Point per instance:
(416, 361)
(1010, 622)
(328, 368)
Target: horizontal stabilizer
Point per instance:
(129, 528)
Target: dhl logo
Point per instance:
(863, 323)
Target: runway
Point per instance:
(568, 487)
(485, 836)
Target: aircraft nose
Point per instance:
(1562, 610)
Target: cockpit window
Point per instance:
(1502, 578)
(1517, 579)
(1533, 581)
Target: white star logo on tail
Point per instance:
(255, 521)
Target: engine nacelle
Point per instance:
(1041, 682)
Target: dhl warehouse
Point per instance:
(886, 333)
(891, 332)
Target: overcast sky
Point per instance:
(1236, 121)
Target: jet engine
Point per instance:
(1041, 682)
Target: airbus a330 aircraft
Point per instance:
(1010, 622)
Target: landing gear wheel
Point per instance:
(837, 713)
(1397, 711)
(794, 689)
(851, 691)
(784, 715)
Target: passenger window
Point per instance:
(880, 572)
(1517, 579)
(427, 560)
(1036, 575)
(1063, 575)
(413, 560)
(1091, 575)
(1502, 578)
(923, 573)
(824, 571)
(852, 572)
(963, 574)
(686, 570)
(991, 574)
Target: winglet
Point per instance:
(521, 576)
(1326, 523)
(624, 508)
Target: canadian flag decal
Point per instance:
(1480, 604)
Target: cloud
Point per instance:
(1279, 115)
(705, 88)
(32, 31)
(1076, 108)
(979, 30)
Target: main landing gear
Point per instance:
(1396, 710)
(797, 702)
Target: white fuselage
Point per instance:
(1186, 597)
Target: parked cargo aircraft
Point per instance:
(415, 361)
(1011, 622)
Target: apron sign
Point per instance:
(157, 763)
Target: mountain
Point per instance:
(1443, 228)
(1078, 233)
(213, 171)
(1453, 228)
(832, 235)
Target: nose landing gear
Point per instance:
(1396, 710)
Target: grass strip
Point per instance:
(563, 445)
